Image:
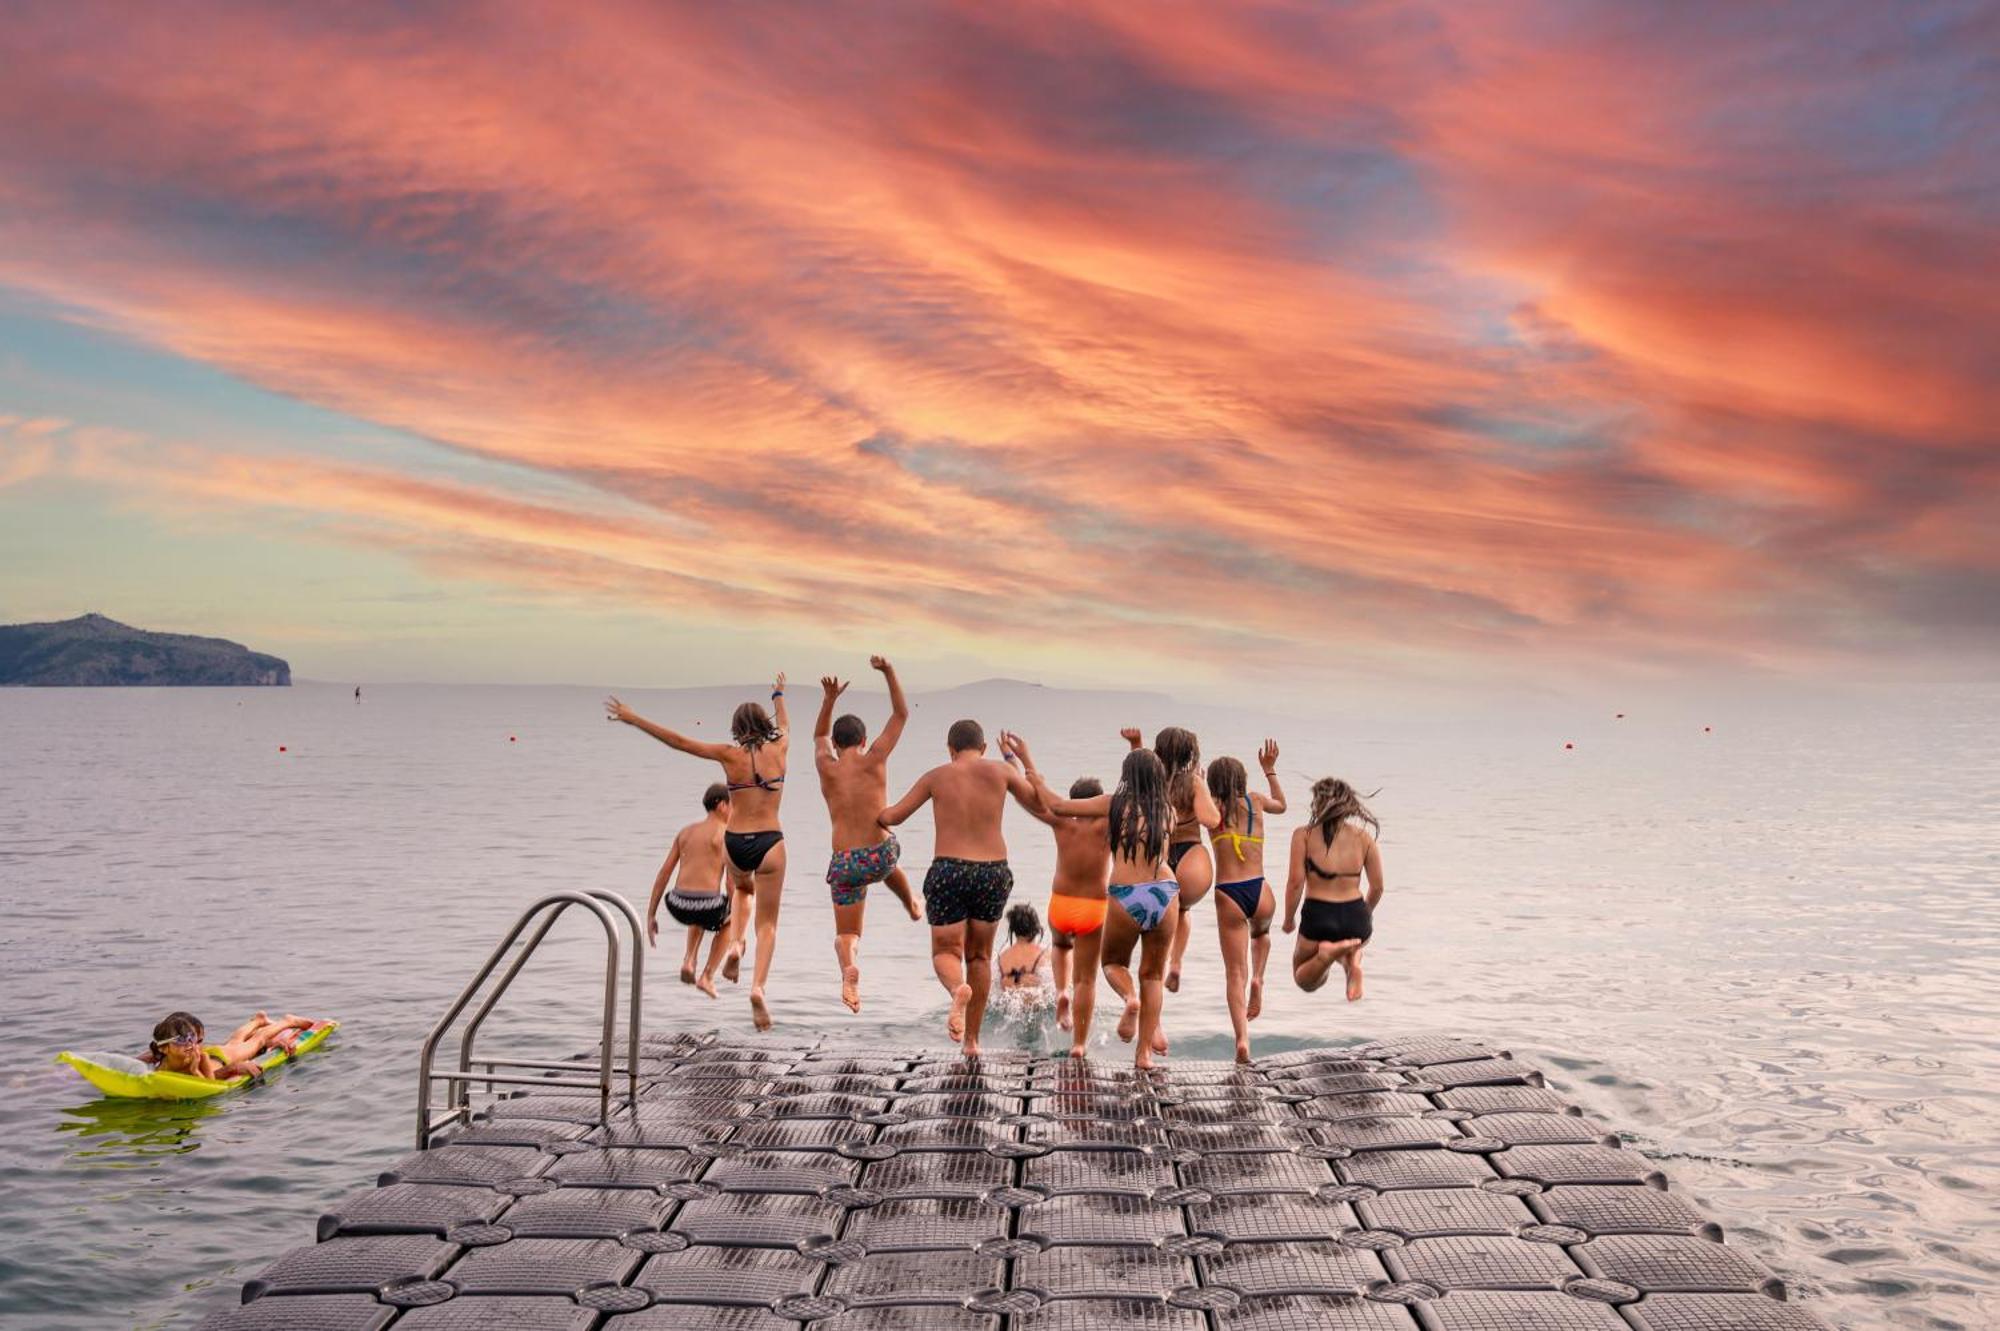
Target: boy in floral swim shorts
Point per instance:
(854, 779)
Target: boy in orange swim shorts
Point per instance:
(1077, 903)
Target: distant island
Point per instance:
(93, 651)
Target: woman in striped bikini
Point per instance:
(1244, 902)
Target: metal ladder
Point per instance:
(459, 1082)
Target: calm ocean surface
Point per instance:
(1770, 952)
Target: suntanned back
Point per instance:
(1083, 855)
(701, 857)
(967, 797)
(856, 786)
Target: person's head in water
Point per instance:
(751, 726)
(965, 737)
(1139, 814)
(1023, 923)
(1228, 786)
(1180, 755)
(1085, 788)
(714, 797)
(1334, 801)
(849, 732)
(177, 1041)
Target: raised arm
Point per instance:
(1133, 736)
(660, 881)
(1295, 879)
(618, 711)
(899, 709)
(778, 706)
(830, 690)
(918, 796)
(1267, 758)
(1372, 865)
(1205, 811)
(1015, 750)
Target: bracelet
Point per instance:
(777, 694)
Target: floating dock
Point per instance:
(1419, 1185)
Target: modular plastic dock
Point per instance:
(1405, 1186)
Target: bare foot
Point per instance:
(687, 974)
(1256, 1006)
(1242, 1051)
(706, 984)
(732, 964)
(261, 1017)
(1173, 982)
(1143, 1061)
(759, 1014)
(850, 987)
(954, 1025)
(1062, 1010)
(972, 1049)
(1077, 1051)
(909, 901)
(1159, 1042)
(1352, 961)
(1128, 1025)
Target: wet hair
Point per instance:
(1229, 787)
(849, 732)
(965, 735)
(1140, 817)
(717, 793)
(1085, 788)
(1023, 922)
(172, 1027)
(751, 726)
(1334, 801)
(1180, 754)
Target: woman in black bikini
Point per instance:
(1244, 902)
(1329, 856)
(753, 766)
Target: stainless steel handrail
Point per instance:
(462, 1087)
(554, 904)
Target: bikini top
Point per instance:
(1018, 973)
(1312, 867)
(1238, 840)
(757, 782)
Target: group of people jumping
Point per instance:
(1130, 865)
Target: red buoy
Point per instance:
(1621, 716)
(510, 739)
(281, 748)
(1708, 730)
(1569, 746)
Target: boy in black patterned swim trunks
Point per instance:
(700, 896)
(854, 778)
(966, 890)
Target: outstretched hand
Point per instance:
(1133, 736)
(617, 711)
(833, 687)
(1291, 924)
(779, 683)
(1012, 746)
(1267, 756)
(880, 663)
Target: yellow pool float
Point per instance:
(127, 1078)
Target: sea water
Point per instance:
(1765, 942)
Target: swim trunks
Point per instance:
(1146, 903)
(1336, 921)
(748, 849)
(956, 890)
(849, 872)
(1247, 895)
(1176, 851)
(705, 910)
(1073, 917)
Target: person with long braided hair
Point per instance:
(1144, 895)
(1244, 902)
(1330, 856)
(1188, 859)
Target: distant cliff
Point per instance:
(94, 650)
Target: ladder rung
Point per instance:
(571, 1066)
(505, 1080)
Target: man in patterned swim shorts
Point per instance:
(854, 778)
(966, 890)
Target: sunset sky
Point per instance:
(1206, 346)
